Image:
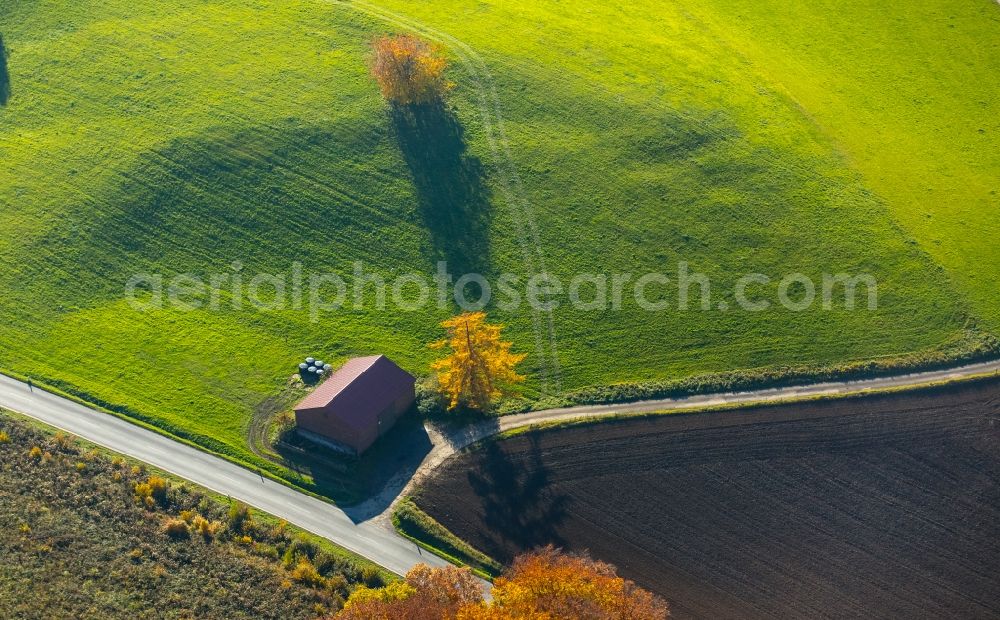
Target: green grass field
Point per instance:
(181, 137)
(910, 96)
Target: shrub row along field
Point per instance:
(877, 507)
(234, 138)
(85, 536)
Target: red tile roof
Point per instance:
(362, 388)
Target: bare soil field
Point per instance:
(880, 506)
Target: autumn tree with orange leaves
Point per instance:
(480, 368)
(426, 593)
(544, 585)
(409, 70)
(550, 584)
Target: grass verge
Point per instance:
(419, 527)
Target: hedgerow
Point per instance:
(973, 346)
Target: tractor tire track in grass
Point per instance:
(511, 186)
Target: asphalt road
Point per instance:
(372, 540)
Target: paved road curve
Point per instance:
(370, 539)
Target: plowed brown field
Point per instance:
(883, 506)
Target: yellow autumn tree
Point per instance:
(480, 367)
(550, 584)
(409, 70)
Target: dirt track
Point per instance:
(875, 507)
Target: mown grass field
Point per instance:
(911, 97)
(181, 137)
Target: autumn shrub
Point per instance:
(397, 601)
(35, 453)
(288, 557)
(280, 530)
(4, 437)
(305, 573)
(372, 577)
(430, 401)
(62, 440)
(153, 491)
(327, 563)
(338, 584)
(239, 519)
(297, 549)
(205, 528)
(284, 421)
(409, 70)
(265, 550)
(176, 529)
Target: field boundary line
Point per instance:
(448, 444)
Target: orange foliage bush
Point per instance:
(445, 589)
(426, 594)
(409, 70)
(551, 584)
(545, 585)
(207, 529)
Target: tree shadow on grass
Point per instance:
(519, 506)
(450, 184)
(4, 75)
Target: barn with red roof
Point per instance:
(358, 404)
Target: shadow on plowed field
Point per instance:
(882, 506)
(517, 499)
